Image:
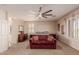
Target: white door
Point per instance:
(3, 35)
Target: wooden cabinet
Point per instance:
(22, 37)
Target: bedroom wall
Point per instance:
(40, 26)
(63, 37)
(15, 30)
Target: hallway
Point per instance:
(23, 49)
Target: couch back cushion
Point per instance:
(39, 37)
(43, 37)
(49, 39)
(35, 38)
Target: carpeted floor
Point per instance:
(23, 49)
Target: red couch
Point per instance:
(42, 42)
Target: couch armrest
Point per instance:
(54, 41)
(30, 43)
(54, 46)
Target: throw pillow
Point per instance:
(35, 38)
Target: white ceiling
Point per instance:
(27, 12)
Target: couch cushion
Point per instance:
(43, 37)
(50, 38)
(35, 38)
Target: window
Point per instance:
(76, 27)
(31, 28)
(73, 27)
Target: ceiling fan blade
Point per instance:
(40, 9)
(48, 11)
(50, 15)
(43, 15)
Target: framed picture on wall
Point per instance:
(21, 28)
(58, 27)
(62, 29)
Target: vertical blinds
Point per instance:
(73, 26)
(76, 27)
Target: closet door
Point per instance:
(3, 35)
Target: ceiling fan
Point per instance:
(45, 14)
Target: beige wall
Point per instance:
(64, 38)
(40, 26)
(15, 30)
